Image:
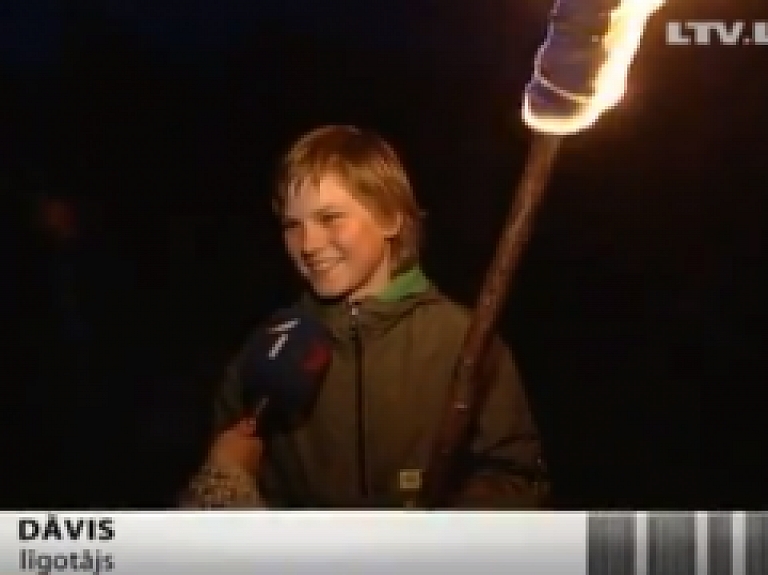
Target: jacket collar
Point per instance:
(375, 314)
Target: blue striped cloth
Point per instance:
(570, 57)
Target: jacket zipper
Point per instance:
(362, 457)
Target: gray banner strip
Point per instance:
(672, 544)
(296, 543)
(720, 544)
(611, 544)
(756, 544)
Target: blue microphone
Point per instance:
(284, 367)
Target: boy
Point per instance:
(352, 228)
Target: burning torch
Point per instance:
(579, 72)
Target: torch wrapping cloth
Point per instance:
(569, 60)
(581, 68)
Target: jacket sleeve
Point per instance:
(503, 466)
(214, 486)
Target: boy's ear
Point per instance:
(393, 226)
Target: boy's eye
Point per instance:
(289, 224)
(329, 217)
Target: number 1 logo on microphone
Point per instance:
(282, 329)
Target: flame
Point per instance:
(620, 44)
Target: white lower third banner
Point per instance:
(224, 543)
(383, 542)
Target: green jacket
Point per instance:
(369, 435)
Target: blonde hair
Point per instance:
(372, 172)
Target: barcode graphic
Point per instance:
(611, 545)
(717, 543)
(720, 544)
(756, 556)
(672, 544)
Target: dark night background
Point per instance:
(638, 317)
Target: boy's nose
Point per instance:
(313, 240)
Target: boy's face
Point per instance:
(338, 245)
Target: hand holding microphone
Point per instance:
(283, 369)
(227, 480)
(281, 372)
(238, 446)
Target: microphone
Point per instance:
(284, 368)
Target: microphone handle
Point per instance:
(257, 411)
(260, 407)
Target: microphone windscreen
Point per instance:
(285, 365)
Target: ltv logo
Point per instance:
(713, 32)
